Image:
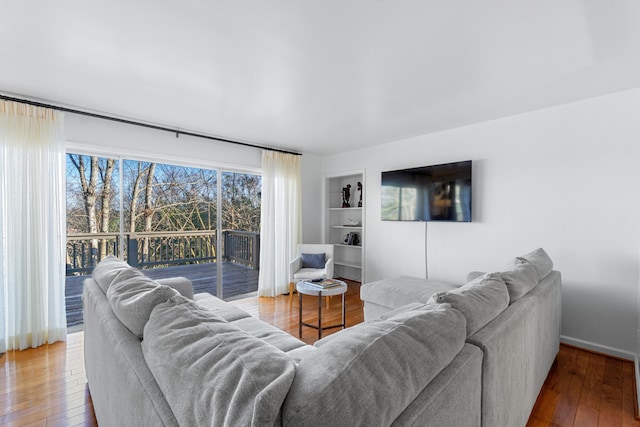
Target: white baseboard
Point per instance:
(598, 348)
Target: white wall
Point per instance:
(565, 179)
(86, 133)
(311, 199)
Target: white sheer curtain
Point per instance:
(280, 220)
(32, 226)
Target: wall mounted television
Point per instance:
(428, 193)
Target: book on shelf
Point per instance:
(324, 283)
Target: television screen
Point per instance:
(428, 193)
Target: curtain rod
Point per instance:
(146, 125)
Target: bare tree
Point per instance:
(148, 208)
(89, 193)
(135, 193)
(106, 203)
(159, 197)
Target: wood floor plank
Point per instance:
(588, 407)
(47, 386)
(628, 397)
(80, 416)
(545, 406)
(592, 391)
(586, 416)
(611, 402)
(573, 367)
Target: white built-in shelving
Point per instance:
(345, 226)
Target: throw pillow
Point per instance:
(480, 300)
(210, 371)
(313, 260)
(133, 299)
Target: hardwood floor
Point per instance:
(47, 386)
(587, 390)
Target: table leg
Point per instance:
(344, 311)
(300, 315)
(319, 315)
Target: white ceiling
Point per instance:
(322, 76)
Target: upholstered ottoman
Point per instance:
(388, 294)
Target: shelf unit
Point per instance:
(338, 225)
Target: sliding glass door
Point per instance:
(168, 220)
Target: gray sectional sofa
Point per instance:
(513, 316)
(156, 355)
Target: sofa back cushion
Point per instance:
(369, 373)
(180, 284)
(110, 269)
(541, 261)
(520, 277)
(210, 371)
(480, 300)
(525, 272)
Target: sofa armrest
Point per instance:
(180, 284)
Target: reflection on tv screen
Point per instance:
(429, 193)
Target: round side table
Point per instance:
(308, 289)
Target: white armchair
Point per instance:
(298, 271)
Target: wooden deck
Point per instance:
(237, 280)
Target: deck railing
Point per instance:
(155, 249)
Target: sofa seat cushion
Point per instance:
(133, 299)
(399, 291)
(223, 309)
(255, 327)
(212, 372)
(369, 373)
(480, 300)
(269, 334)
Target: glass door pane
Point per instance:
(93, 222)
(170, 216)
(240, 235)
